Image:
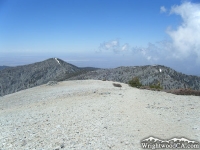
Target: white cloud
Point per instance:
(186, 38)
(125, 47)
(163, 9)
(113, 45)
(152, 52)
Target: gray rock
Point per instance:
(62, 145)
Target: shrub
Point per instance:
(156, 86)
(135, 82)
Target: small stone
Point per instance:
(62, 145)
(126, 143)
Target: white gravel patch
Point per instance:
(91, 114)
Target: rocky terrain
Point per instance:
(94, 114)
(148, 75)
(13, 79)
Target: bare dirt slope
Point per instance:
(94, 114)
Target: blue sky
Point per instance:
(102, 33)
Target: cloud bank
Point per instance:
(181, 51)
(113, 45)
(186, 38)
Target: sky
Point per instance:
(102, 33)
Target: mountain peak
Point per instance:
(26, 76)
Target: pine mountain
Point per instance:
(148, 75)
(18, 78)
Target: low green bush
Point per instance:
(156, 86)
(135, 82)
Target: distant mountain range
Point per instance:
(13, 79)
(3, 67)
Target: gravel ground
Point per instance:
(92, 115)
